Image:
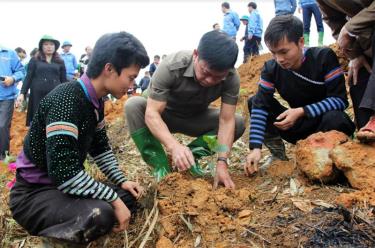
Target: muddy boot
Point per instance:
(200, 149)
(277, 148)
(306, 37)
(320, 38)
(152, 152)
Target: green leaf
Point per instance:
(9, 158)
(211, 141)
(220, 148)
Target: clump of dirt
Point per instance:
(312, 155)
(215, 215)
(344, 61)
(362, 198)
(357, 161)
(282, 168)
(114, 110)
(18, 131)
(250, 73)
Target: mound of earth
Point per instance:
(312, 155)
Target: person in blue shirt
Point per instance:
(69, 60)
(11, 71)
(246, 48)
(255, 29)
(309, 8)
(285, 7)
(231, 22)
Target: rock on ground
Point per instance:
(312, 155)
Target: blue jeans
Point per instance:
(307, 12)
(6, 113)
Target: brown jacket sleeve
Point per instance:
(362, 21)
(334, 18)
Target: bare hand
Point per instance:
(222, 176)
(19, 100)
(344, 41)
(8, 81)
(288, 118)
(122, 215)
(182, 157)
(252, 161)
(134, 188)
(242, 39)
(354, 66)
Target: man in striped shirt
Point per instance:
(53, 195)
(312, 83)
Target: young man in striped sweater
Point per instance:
(312, 83)
(54, 196)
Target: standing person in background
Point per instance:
(246, 48)
(285, 7)
(11, 71)
(309, 8)
(21, 54)
(231, 22)
(154, 65)
(216, 26)
(352, 24)
(145, 81)
(44, 73)
(255, 29)
(70, 61)
(84, 60)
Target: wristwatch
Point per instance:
(223, 159)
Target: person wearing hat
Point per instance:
(246, 48)
(70, 60)
(45, 71)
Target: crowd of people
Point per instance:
(66, 109)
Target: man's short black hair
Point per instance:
(156, 57)
(20, 50)
(225, 5)
(283, 26)
(218, 49)
(253, 5)
(119, 49)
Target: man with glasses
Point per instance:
(180, 93)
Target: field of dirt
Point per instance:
(280, 207)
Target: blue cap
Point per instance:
(66, 43)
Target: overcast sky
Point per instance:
(162, 26)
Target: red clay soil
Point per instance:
(312, 155)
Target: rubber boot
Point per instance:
(277, 148)
(320, 38)
(306, 37)
(152, 152)
(200, 149)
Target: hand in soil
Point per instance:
(134, 188)
(182, 157)
(252, 161)
(354, 66)
(222, 176)
(122, 215)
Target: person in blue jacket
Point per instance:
(70, 61)
(255, 29)
(309, 8)
(285, 7)
(231, 22)
(11, 71)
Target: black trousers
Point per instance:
(332, 120)
(363, 94)
(45, 211)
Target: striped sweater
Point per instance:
(69, 125)
(318, 86)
